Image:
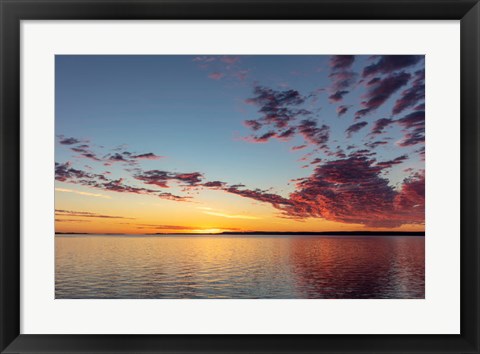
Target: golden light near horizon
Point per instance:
(208, 231)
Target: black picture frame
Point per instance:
(12, 12)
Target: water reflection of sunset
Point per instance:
(372, 266)
(239, 267)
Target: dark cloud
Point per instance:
(339, 154)
(91, 156)
(313, 134)
(352, 191)
(420, 107)
(335, 187)
(343, 79)
(65, 173)
(253, 124)
(118, 185)
(337, 96)
(79, 150)
(147, 156)
(387, 64)
(380, 125)
(414, 126)
(341, 110)
(173, 197)
(131, 158)
(267, 97)
(379, 92)
(69, 141)
(276, 107)
(395, 161)
(155, 177)
(341, 76)
(413, 120)
(261, 138)
(355, 128)
(281, 135)
(259, 195)
(125, 157)
(341, 61)
(280, 110)
(362, 153)
(117, 157)
(421, 152)
(161, 178)
(342, 82)
(413, 95)
(286, 134)
(214, 184)
(411, 198)
(375, 144)
(190, 179)
(372, 81)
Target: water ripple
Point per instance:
(239, 267)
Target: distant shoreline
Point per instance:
(268, 233)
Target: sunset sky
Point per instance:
(212, 143)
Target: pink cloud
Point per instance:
(230, 59)
(298, 147)
(216, 76)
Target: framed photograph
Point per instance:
(239, 176)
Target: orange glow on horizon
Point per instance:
(84, 210)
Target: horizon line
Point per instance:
(419, 233)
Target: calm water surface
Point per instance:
(133, 267)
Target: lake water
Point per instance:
(283, 267)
